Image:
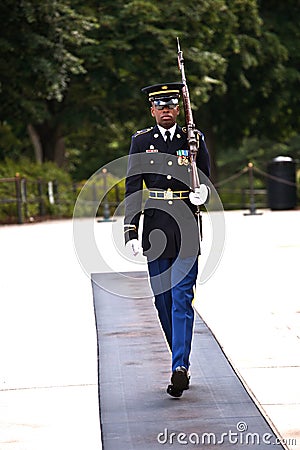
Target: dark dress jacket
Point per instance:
(169, 226)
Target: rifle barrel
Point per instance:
(191, 130)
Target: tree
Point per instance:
(39, 57)
(138, 47)
(75, 82)
(262, 82)
(281, 24)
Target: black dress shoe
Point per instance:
(180, 382)
(180, 379)
(171, 390)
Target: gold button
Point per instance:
(170, 163)
(169, 177)
(170, 202)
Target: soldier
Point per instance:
(159, 158)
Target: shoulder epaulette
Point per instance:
(145, 130)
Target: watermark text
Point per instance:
(238, 436)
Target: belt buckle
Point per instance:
(168, 195)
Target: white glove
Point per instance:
(200, 195)
(134, 246)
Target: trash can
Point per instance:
(281, 185)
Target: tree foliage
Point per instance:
(40, 42)
(71, 76)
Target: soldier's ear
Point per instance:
(152, 111)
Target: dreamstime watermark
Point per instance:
(239, 436)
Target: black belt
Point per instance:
(169, 195)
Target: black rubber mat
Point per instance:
(134, 371)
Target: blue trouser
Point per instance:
(172, 281)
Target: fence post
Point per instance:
(252, 195)
(41, 200)
(106, 212)
(24, 196)
(117, 192)
(51, 193)
(18, 198)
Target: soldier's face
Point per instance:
(165, 117)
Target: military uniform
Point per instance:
(170, 237)
(160, 168)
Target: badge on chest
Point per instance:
(183, 157)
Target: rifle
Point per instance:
(200, 192)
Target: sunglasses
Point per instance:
(160, 107)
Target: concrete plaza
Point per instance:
(48, 350)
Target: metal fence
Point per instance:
(23, 200)
(284, 188)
